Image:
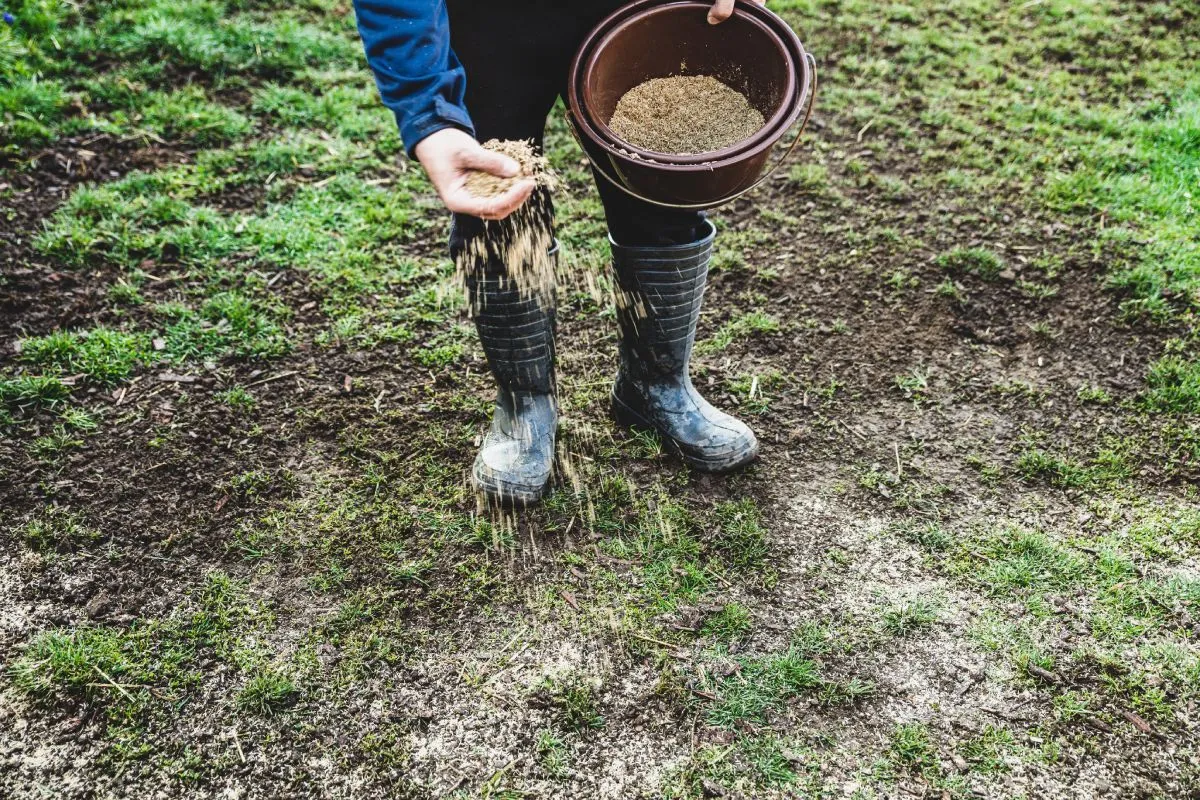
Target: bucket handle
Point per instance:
(812, 98)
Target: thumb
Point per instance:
(721, 10)
(492, 163)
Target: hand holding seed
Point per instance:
(451, 157)
(723, 9)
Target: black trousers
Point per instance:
(517, 54)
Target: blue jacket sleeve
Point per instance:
(419, 77)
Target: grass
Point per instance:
(119, 667)
(750, 764)
(912, 751)
(268, 691)
(552, 754)
(976, 261)
(760, 685)
(1120, 604)
(743, 326)
(238, 398)
(1173, 386)
(1109, 466)
(909, 617)
(75, 662)
(106, 356)
(729, 624)
(57, 530)
(54, 444)
(32, 391)
(573, 700)
(742, 537)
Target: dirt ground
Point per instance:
(965, 565)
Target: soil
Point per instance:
(684, 115)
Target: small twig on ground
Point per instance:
(278, 377)
(652, 640)
(1137, 721)
(721, 578)
(151, 469)
(113, 683)
(1039, 672)
(238, 743)
(856, 433)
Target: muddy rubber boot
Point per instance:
(657, 311)
(517, 333)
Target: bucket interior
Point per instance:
(676, 39)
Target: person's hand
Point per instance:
(723, 9)
(450, 155)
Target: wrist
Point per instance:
(435, 133)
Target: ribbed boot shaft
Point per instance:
(661, 292)
(516, 329)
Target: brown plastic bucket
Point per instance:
(743, 52)
(758, 54)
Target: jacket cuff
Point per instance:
(445, 115)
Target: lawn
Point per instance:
(240, 396)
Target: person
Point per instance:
(459, 72)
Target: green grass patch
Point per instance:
(32, 391)
(908, 617)
(106, 356)
(742, 327)
(911, 750)
(742, 538)
(1173, 386)
(729, 624)
(976, 261)
(56, 531)
(1108, 467)
(268, 691)
(573, 699)
(760, 684)
(124, 668)
(188, 115)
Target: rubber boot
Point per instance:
(516, 330)
(659, 305)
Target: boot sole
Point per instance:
(507, 494)
(625, 415)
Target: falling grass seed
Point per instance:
(522, 241)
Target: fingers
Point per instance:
(721, 10)
(491, 208)
(486, 161)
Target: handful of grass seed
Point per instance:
(532, 165)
